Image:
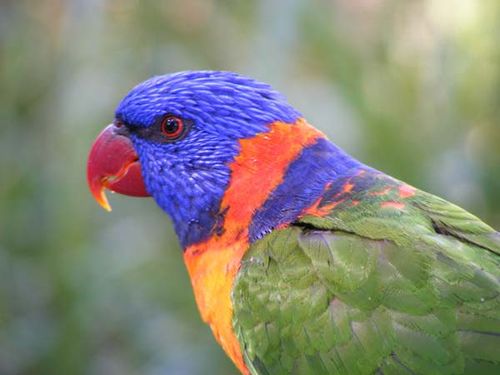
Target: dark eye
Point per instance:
(172, 127)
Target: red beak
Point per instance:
(113, 164)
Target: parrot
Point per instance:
(302, 259)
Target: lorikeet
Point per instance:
(303, 260)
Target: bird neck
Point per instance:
(304, 180)
(273, 179)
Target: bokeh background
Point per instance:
(410, 87)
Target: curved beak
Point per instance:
(114, 165)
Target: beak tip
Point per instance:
(106, 207)
(102, 200)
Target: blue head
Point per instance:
(186, 128)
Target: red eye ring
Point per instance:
(172, 127)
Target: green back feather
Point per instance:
(373, 290)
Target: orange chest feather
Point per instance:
(212, 271)
(213, 265)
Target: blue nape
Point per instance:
(303, 184)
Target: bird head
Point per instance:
(178, 138)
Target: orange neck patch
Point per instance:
(213, 265)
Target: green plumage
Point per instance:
(409, 287)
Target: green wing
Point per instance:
(408, 288)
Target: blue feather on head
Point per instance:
(188, 177)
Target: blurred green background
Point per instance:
(410, 87)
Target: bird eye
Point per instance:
(172, 127)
